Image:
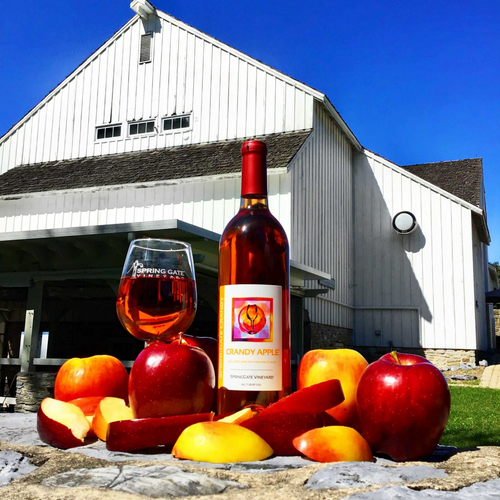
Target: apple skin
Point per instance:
(316, 398)
(132, 435)
(56, 433)
(403, 403)
(87, 405)
(346, 365)
(171, 379)
(101, 375)
(279, 429)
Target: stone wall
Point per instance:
(329, 337)
(439, 357)
(497, 321)
(31, 388)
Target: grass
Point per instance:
(474, 418)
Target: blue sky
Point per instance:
(416, 81)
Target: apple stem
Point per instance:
(394, 354)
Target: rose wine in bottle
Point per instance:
(254, 297)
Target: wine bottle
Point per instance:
(254, 297)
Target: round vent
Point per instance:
(404, 222)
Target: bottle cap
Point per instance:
(254, 175)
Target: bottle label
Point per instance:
(250, 337)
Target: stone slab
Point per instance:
(157, 481)
(275, 464)
(360, 474)
(12, 466)
(489, 490)
(19, 428)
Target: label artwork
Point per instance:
(250, 346)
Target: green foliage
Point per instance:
(474, 418)
(496, 265)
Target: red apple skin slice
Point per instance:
(316, 398)
(54, 433)
(281, 428)
(138, 433)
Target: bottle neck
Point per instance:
(254, 174)
(253, 202)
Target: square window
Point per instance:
(100, 133)
(150, 127)
(117, 131)
(185, 121)
(177, 123)
(109, 132)
(142, 128)
(167, 124)
(133, 129)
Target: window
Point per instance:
(108, 132)
(176, 122)
(136, 128)
(145, 55)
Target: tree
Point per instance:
(496, 265)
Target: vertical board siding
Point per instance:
(209, 204)
(228, 96)
(322, 215)
(417, 290)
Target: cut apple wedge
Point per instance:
(279, 429)
(109, 410)
(219, 442)
(239, 416)
(316, 398)
(131, 435)
(334, 444)
(61, 424)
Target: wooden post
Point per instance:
(32, 325)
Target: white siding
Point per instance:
(322, 216)
(417, 290)
(209, 204)
(228, 94)
(480, 256)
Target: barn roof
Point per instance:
(199, 160)
(463, 178)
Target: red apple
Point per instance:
(87, 377)
(171, 379)
(346, 365)
(87, 405)
(403, 403)
(208, 344)
(61, 424)
(131, 435)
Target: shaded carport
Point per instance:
(64, 282)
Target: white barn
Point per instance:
(143, 138)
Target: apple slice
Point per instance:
(131, 435)
(109, 410)
(239, 416)
(316, 398)
(220, 443)
(280, 428)
(334, 444)
(61, 424)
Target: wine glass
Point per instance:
(157, 294)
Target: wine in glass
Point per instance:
(157, 294)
